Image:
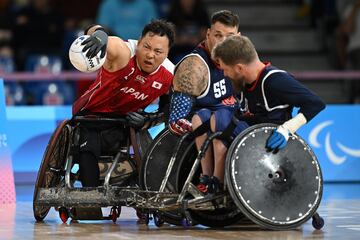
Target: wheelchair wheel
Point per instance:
(278, 190)
(219, 217)
(154, 166)
(144, 141)
(52, 165)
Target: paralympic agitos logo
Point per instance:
(333, 157)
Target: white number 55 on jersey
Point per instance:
(219, 88)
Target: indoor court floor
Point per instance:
(340, 207)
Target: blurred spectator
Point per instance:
(78, 14)
(75, 20)
(191, 20)
(13, 90)
(6, 21)
(126, 18)
(162, 7)
(39, 29)
(320, 12)
(348, 38)
(348, 44)
(14, 93)
(303, 8)
(52, 92)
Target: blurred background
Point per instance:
(297, 35)
(318, 41)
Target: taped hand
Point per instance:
(180, 127)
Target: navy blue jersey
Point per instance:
(219, 91)
(272, 97)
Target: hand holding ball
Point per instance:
(79, 59)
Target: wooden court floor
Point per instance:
(340, 208)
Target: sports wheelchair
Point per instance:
(274, 190)
(56, 180)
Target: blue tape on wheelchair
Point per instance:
(181, 105)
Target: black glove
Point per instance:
(95, 43)
(140, 119)
(136, 120)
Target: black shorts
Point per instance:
(102, 138)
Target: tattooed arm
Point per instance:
(191, 76)
(190, 80)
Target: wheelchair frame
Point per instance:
(149, 202)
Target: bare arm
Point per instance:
(191, 76)
(117, 52)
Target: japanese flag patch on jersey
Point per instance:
(156, 85)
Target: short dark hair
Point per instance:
(235, 49)
(225, 17)
(162, 28)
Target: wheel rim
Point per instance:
(46, 177)
(260, 182)
(154, 168)
(215, 218)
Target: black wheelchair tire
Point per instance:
(60, 136)
(216, 218)
(151, 180)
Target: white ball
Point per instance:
(79, 60)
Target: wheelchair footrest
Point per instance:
(208, 202)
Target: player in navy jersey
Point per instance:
(134, 74)
(268, 94)
(201, 90)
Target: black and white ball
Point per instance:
(79, 60)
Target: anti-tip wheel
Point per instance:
(158, 220)
(114, 214)
(63, 214)
(185, 223)
(318, 222)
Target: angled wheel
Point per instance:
(219, 217)
(275, 190)
(52, 165)
(154, 166)
(144, 140)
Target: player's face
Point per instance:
(151, 52)
(217, 33)
(233, 72)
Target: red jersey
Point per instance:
(125, 90)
